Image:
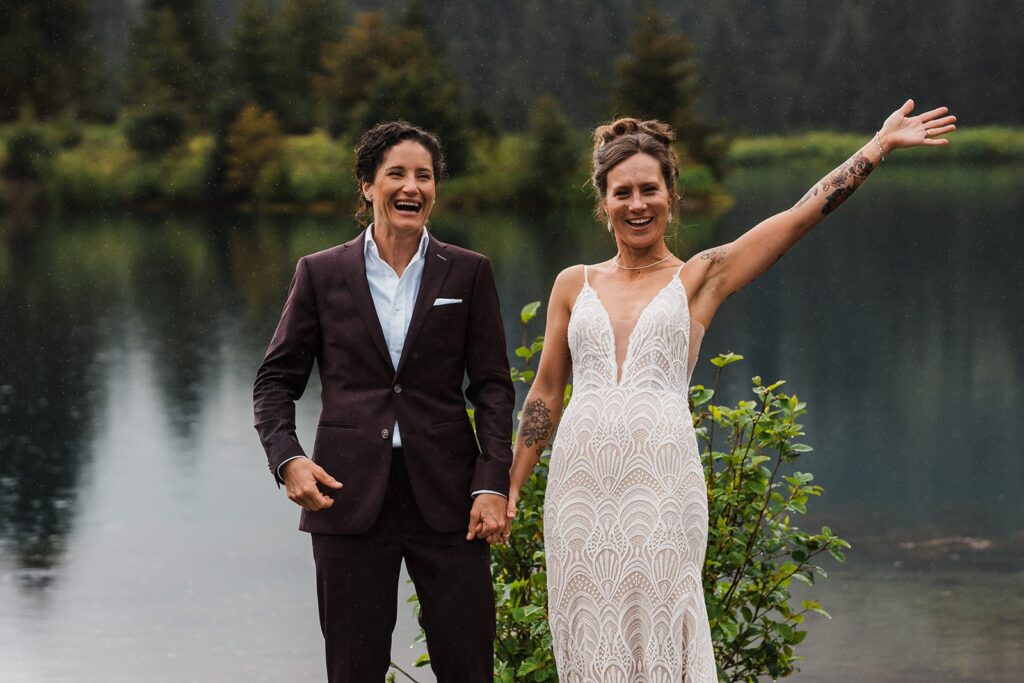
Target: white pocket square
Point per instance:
(444, 302)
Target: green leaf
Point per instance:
(529, 312)
(722, 360)
(422, 660)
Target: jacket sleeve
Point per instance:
(284, 372)
(490, 384)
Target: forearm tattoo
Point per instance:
(840, 184)
(535, 425)
(716, 255)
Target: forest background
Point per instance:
(190, 102)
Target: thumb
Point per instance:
(510, 508)
(907, 107)
(320, 474)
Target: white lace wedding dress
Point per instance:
(625, 515)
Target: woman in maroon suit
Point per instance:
(395, 320)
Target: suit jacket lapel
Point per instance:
(435, 269)
(353, 269)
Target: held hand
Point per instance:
(300, 479)
(902, 130)
(487, 518)
(510, 507)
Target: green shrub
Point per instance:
(27, 154)
(754, 551)
(154, 133)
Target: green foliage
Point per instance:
(49, 64)
(968, 145)
(153, 133)
(754, 553)
(554, 156)
(306, 30)
(658, 78)
(253, 149)
(380, 73)
(26, 154)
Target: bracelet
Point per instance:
(879, 143)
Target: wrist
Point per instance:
(885, 145)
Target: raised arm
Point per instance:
(724, 270)
(543, 407)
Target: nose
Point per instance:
(409, 185)
(636, 202)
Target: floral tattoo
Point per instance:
(535, 426)
(716, 255)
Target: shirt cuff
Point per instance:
(477, 493)
(279, 467)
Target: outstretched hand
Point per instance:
(902, 130)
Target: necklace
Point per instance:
(649, 265)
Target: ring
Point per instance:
(927, 133)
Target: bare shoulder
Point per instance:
(567, 286)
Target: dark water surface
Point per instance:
(141, 537)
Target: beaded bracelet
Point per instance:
(879, 143)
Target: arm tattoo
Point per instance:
(535, 425)
(861, 166)
(716, 255)
(833, 201)
(813, 192)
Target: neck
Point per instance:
(629, 257)
(396, 247)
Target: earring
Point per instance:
(609, 225)
(669, 216)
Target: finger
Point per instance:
(944, 121)
(934, 113)
(474, 523)
(510, 509)
(935, 132)
(907, 107)
(932, 142)
(320, 474)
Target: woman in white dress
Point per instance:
(625, 518)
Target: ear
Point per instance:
(366, 187)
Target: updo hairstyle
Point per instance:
(376, 142)
(623, 138)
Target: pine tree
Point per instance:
(308, 27)
(379, 73)
(657, 78)
(48, 62)
(172, 59)
(253, 66)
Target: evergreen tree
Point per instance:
(254, 70)
(657, 78)
(379, 73)
(172, 60)
(554, 155)
(307, 28)
(48, 64)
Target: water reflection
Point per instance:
(130, 468)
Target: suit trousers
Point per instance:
(357, 591)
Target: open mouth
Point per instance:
(639, 222)
(408, 206)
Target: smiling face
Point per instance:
(403, 189)
(637, 202)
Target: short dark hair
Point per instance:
(378, 140)
(623, 138)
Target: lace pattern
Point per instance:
(626, 507)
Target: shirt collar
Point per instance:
(370, 246)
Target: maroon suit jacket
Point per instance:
(329, 317)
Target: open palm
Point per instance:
(902, 130)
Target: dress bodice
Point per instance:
(658, 351)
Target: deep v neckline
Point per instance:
(621, 369)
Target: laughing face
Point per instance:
(403, 191)
(637, 201)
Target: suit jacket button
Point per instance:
(398, 388)
(385, 433)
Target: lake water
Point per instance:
(142, 539)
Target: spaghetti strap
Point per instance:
(679, 270)
(586, 278)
